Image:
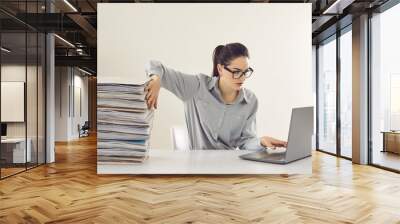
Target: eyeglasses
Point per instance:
(238, 74)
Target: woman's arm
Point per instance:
(184, 86)
(249, 139)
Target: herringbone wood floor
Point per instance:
(70, 191)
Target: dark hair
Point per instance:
(225, 54)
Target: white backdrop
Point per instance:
(183, 37)
(12, 101)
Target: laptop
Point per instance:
(299, 140)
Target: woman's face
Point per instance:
(226, 77)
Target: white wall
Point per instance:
(61, 103)
(68, 83)
(183, 36)
(80, 84)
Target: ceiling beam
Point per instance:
(83, 61)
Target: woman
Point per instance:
(220, 113)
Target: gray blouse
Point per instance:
(211, 123)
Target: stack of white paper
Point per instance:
(123, 123)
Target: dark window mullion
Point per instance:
(369, 90)
(317, 96)
(338, 98)
(26, 86)
(37, 89)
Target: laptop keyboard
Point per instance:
(269, 155)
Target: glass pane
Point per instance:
(23, 88)
(31, 100)
(41, 98)
(31, 85)
(386, 89)
(346, 94)
(13, 87)
(327, 97)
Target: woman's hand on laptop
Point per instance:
(270, 142)
(153, 89)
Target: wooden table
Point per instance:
(391, 141)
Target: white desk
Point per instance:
(204, 162)
(19, 149)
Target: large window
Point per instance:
(385, 89)
(346, 93)
(335, 94)
(327, 96)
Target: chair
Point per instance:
(84, 130)
(180, 138)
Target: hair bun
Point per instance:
(218, 49)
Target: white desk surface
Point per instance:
(204, 162)
(13, 140)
